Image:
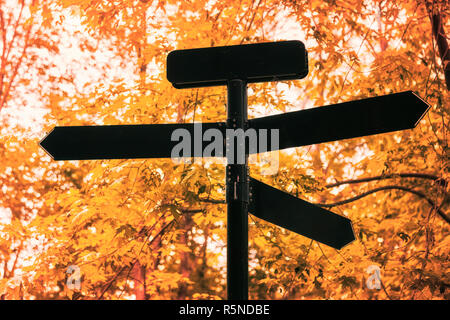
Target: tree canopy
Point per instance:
(153, 229)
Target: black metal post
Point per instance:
(237, 193)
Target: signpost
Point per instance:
(235, 67)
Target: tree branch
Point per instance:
(16, 68)
(15, 28)
(111, 282)
(13, 268)
(191, 211)
(391, 187)
(437, 25)
(389, 176)
(215, 201)
(3, 58)
(131, 266)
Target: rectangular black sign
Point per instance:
(260, 62)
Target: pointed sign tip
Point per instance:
(44, 144)
(346, 238)
(346, 244)
(425, 104)
(351, 237)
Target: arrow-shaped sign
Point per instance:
(302, 217)
(346, 120)
(122, 141)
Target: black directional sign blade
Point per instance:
(123, 141)
(352, 119)
(302, 217)
(259, 62)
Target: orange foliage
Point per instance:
(148, 228)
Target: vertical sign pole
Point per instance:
(237, 193)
